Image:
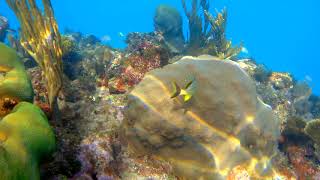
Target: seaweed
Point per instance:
(40, 37)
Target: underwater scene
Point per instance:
(159, 90)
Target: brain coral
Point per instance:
(25, 138)
(223, 126)
(14, 80)
(15, 86)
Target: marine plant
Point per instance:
(41, 39)
(207, 34)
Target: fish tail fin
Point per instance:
(187, 97)
(176, 90)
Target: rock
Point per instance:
(168, 21)
(224, 124)
(103, 156)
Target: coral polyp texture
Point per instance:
(223, 127)
(15, 86)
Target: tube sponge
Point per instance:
(25, 138)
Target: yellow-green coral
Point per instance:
(218, 45)
(15, 85)
(25, 138)
(14, 81)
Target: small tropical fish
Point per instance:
(244, 50)
(121, 34)
(187, 92)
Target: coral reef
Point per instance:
(168, 21)
(217, 43)
(92, 113)
(145, 52)
(4, 26)
(25, 135)
(15, 84)
(105, 157)
(213, 132)
(40, 37)
(208, 33)
(26, 138)
(303, 167)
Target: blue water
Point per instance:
(284, 35)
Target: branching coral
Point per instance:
(218, 44)
(208, 34)
(41, 39)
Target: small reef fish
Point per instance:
(187, 92)
(121, 34)
(244, 50)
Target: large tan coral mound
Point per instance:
(223, 126)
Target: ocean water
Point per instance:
(284, 35)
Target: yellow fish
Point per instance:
(187, 92)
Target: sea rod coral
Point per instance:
(208, 33)
(41, 39)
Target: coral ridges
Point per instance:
(203, 135)
(15, 82)
(292, 102)
(25, 134)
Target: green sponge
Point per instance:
(25, 138)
